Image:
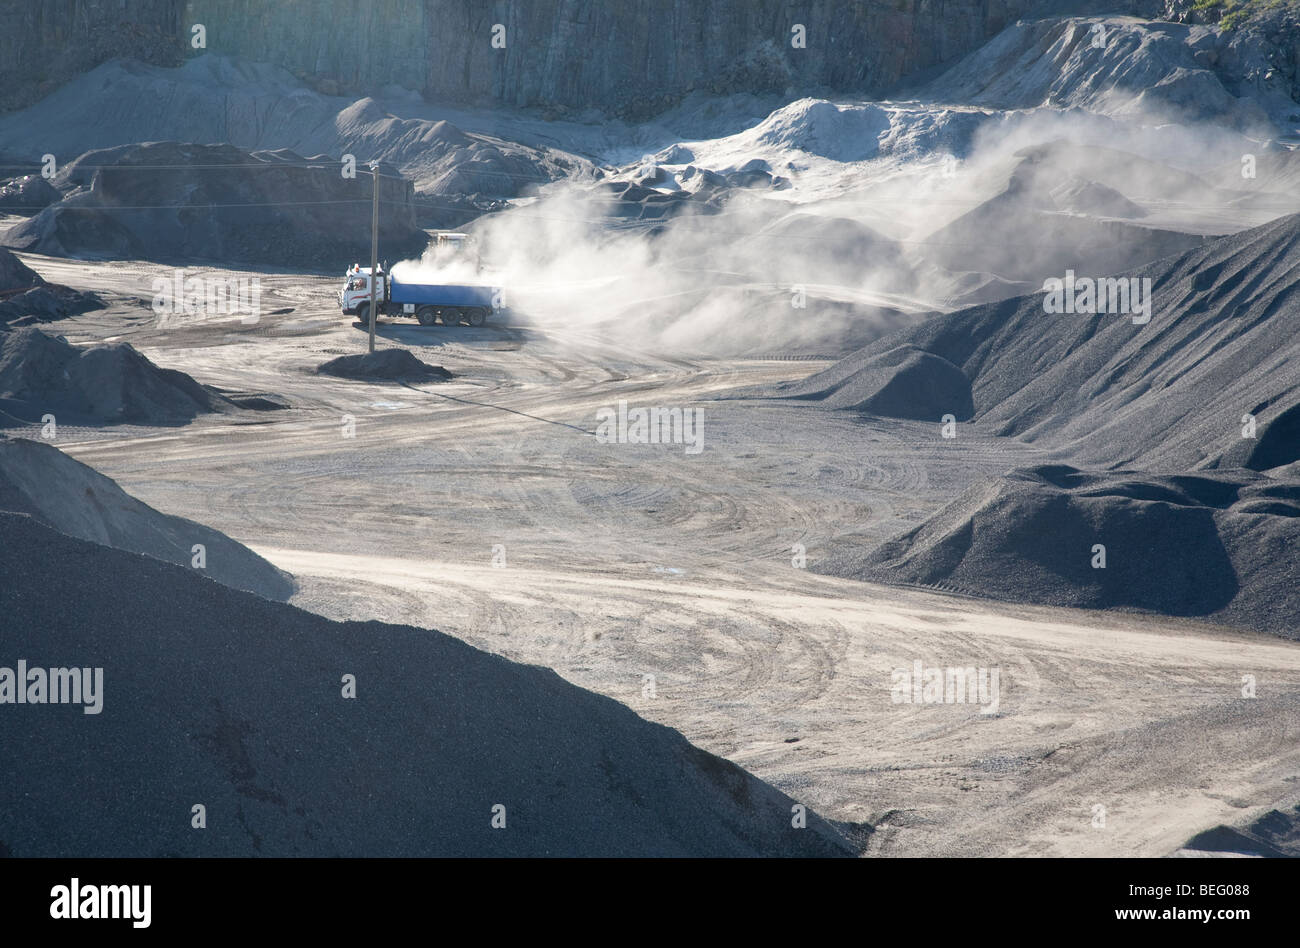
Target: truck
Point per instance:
(447, 303)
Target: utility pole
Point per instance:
(374, 247)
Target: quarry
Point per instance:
(879, 448)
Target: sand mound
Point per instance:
(216, 697)
(1214, 546)
(176, 201)
(112, 383)
(904, 382)
(1082, 196)
(40, 480)
(394, 365)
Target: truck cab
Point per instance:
(356, 289)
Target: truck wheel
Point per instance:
(478, 316)
(451, 316)
(363, 314)
(426, 315)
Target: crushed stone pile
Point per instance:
(176, 201)
(41, 481)
(108, 383)
(217, 697)
(393, 365)
(1216, 546)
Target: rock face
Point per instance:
(45, 44)
(630, 59)
(1167, 70)
(1259, 49)
(635, 58)
(175, 201)
(578, 54)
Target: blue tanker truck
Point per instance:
(446, 303)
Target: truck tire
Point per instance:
(363, 315)
(477, 316)
(451, 316)
(426, 315)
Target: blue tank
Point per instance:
(439, 294)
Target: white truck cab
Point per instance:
(356, 287)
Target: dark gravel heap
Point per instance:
(107, 383)
(1276, 834)
(218, 697)
(1223, 341)
(39, 480)
(16, 275)
(177, 202)
(1219, 546)
(904, 382)
(26, 298)
(392, 365)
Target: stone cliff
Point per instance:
(631, 58)
(624, 57)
